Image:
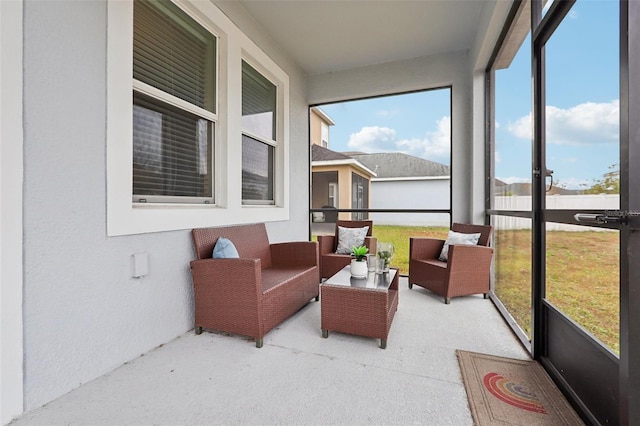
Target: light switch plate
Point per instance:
(140, 265)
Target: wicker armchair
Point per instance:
(466, 272)
(330, 262)
(252, 294)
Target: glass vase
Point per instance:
(385, 252)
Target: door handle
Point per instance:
(615, 216)
(548, 173)
(589, 218)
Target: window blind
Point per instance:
(171, 151)
(173, 53)
(172, 147)
(258, 104)
(259, 134)
(257, 170)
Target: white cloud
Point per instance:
(584, 124)
(436, 144)
(373, 139)
(497, 157)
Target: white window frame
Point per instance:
(174, 101)
(125, 217)
(271, 142)
(324, 131)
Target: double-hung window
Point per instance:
(259, 119)
(174, 106)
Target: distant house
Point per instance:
(524, 188)
(320, 123)
(403, 181)
(355, 180)
(338, 180)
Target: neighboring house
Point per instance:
(403, 181)
(524, 188)
(339, 181)
(319, 123)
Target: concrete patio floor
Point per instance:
(298, 377)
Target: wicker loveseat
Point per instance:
(252, 294)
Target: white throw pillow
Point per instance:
(460, 239)
(348, 238)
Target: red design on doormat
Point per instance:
(513, 393)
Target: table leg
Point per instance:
(325, 333)
(383, 343)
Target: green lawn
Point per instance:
(582, 278)
(582, 273)
(399, 236)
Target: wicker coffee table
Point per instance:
(364, 307)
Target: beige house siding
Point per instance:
(320, 187)
(315, 128)
(316, 119)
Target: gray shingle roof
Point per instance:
(319, 153)
(396, 164)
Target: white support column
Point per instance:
(11, 177)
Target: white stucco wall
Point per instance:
(11, 173)
(410, 194)
(84, 314)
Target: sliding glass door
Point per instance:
(580, 217)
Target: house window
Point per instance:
(174, 150)
(174, 105)
(259, 102)
(333, 194)
(325, 135)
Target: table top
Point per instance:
(379, 282)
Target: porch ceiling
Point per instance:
(332, 35)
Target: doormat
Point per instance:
(505, 391)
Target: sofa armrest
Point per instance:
(326, 244)
(295, 253)
(425, 248)
(221, 280)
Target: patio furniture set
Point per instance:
(245, 285)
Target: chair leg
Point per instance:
(410, 286)
(447, 300)
(198, 330)
(317, 298)
(486, 295)
(259, 343)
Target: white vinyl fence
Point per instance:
(573, 202)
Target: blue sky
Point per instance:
(415, 123)
(582, 108)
